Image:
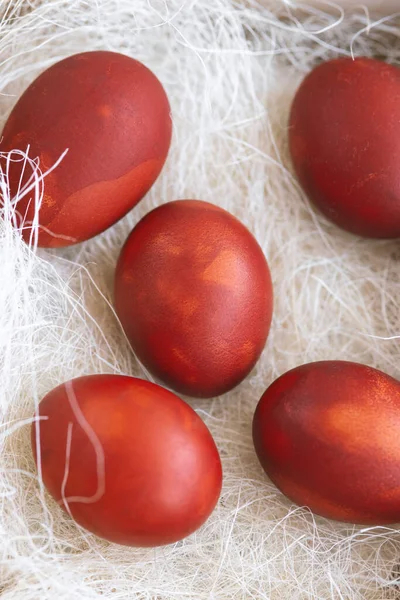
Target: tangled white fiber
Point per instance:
(230, 69)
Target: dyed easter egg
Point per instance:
(112, 115)
(327, 434)
(344, 139)
(130, 461)
(193, 292)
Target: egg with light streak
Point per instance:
(193, 292)
(112, 115)
(327, 434)
(130, 461)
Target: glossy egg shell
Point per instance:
(132, 462)
(193, 292)
(113, 116)
(327, 434)
(344, 136)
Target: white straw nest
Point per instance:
(230, 70)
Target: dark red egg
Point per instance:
(129, 460)
(193, 292)
(113, 116)
(344, 140)
(327, 434)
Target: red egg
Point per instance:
(129, 460)
(327, 434)
(113, 116)
(344, 140)
(193, 292)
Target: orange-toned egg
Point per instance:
(193, 292)
(327, 434)
(130, 461)
(113, 116)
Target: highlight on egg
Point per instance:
(193, 292)
(327, 434)
(111, 116)
(127, 459)
(344, 139)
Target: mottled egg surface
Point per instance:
(112, 115)
(193, 292)
(344, 135)
(327, 434)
